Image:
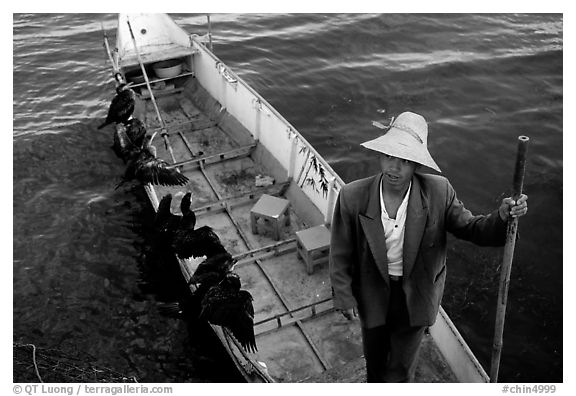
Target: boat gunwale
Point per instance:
(196, 39)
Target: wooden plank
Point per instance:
(323, 361)
(185, 74)
(214, 158)
(174, 51)
(313, 313)
(236, 200)
(189, 109)
(161, 92)
(262, 249)
(188, 146)
(265, 255)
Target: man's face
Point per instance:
(397, 172)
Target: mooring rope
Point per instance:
(34, 361)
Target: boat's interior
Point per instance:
(300, 338)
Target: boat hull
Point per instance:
(222, 135)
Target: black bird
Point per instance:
(189, 242)
(165, 223)
(146, 168)
(129, 139)
(202, 241)
(188, 216)
(122, 105)
(212, 270)
(209, 273)
(228, 306)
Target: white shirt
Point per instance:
(394, 232)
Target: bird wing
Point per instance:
(121, 107)
(124, 146)
(205, 278)
(120, 140)
(232, 310)
(213, 269)
(155, 171)
(136, 132)
(247, 299)
(200, 242)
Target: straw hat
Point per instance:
(406, 138)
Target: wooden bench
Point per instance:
(270, 213)
(313, 246)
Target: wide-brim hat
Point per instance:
(406, 138)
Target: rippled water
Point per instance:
(480, 80)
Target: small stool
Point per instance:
(273, 211)
(313, 246)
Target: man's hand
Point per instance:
(350, 313)
(515, 209)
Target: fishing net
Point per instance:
(33, 364)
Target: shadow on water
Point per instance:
(83, 281)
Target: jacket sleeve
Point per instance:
(342, 254)
(483, 230)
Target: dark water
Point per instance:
(480, 80)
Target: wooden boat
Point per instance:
(231, 144)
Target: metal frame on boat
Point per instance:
(221, 133)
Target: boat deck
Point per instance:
(299, 336)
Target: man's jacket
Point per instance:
(358, 261)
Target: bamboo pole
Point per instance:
(108, 52)
(209, 33)
(163, 132)
(511, 231)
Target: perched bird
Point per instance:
(129, 139)
(190, 242)
(165, 223)
(200, 242)
(146, 168)
(188, 216)
(208, 274)
(226, 305)
(212, 270)
(122, 105)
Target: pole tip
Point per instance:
(523, 138)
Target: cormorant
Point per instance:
(213, 269)
(122, 105)
(146, 168)
(165, 223)
(228, 306)
(129, 139)
(202, 241)
(208, 274)
(189, 242)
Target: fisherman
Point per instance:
(388, 247)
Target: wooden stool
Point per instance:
(313, 246)
(273, 211)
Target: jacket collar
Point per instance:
(415, 223)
